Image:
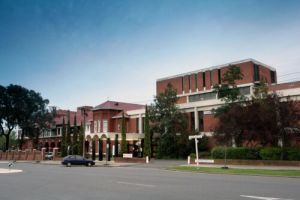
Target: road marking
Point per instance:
(9, 171)
(263, 198)
(136, 184)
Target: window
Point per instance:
(200, 118)
(182, 84)
(245, 90)
(203, 97)
(273, 76)
(219, 76)
(256, 72)
(95, 127)
(189, 81)
(196, 82)
(105, 126)
(211, 77)
(203, 78)
(137, 125)
(99, 126)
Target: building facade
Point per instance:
(197, 99)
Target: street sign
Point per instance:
(195, 137)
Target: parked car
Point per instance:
(49, 156)
(77, 160)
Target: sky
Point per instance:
(84, 52)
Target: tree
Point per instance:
(75, 138)
(108, 149)
(116, 145)
(34, 115)
(63, 140)
(42, 122)
(12, 141)
(11, 107)
(169, 122)
(81, 140)
(124, 143)
(100, 149)
(229, 114)
(68, 134)
(147, 140)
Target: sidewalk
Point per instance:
(248, 166)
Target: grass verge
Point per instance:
(218, 170)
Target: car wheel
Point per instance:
(89, 164)
(69, 164)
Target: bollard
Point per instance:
(147, 159)
(189, 160)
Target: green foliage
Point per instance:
(229, 114)
(147, 140)
(228, 91)
(270, 153)
(100, 149)
(75, 143)
(124, 143)
(63, 140)
(25, 108)
(171, 124)
(242, 153)
(81, 140)
(13, 142)
(68, 133)
(293, 154)
(116, 145)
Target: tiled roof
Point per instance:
(114, 105)
(60, 114)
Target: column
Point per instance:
(196, 118)
(140, 124)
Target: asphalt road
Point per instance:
(53, 182)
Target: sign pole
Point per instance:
(197, 157)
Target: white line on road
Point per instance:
(136, 184)
(263, 198)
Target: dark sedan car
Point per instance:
(76, 160)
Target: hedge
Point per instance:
(245, 153)
(236, 153)
(270, 153)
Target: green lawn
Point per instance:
(267, 172)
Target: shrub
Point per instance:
(193, 156)
(293, 154)
(270, 153)
(243, 153)
(218, 153)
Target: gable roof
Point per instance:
(115, 105)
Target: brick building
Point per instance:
(196, 96)
(102, 121)
(196, 99)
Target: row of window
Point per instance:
(213, 95)
(195, 77)
(97, 127)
